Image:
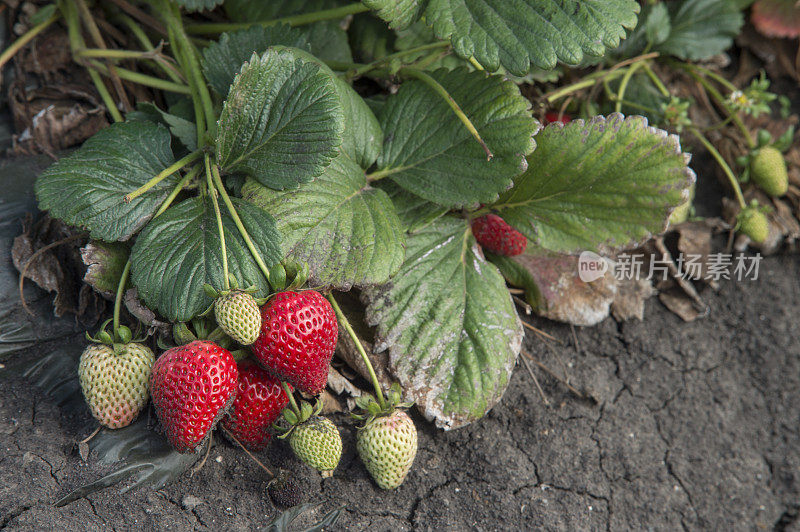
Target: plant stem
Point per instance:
(238, 222)
(191, 174)
(25, 38)
(656, 80)
(585, 83)
(143, 79)
(725, 168)
(76, 43)
(718, 99)
(105, 53)
(292, 402)
(380, 174)
(353, 336)
(363, 69)
(214, 28)
(187, 56)
(147, 44)
(123, 280)
(166, 172)
(441, 91)
(97, 37)
(623, 86)
(256, 460)
(213, 193)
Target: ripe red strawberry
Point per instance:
(494, 234)
(259, 402)
(552, 116)
(297, 340)
(192, 386)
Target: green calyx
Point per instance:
(295, 415)
(123, 337)
(289, 275)
(373, 409)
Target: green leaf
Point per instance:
(180, 251)
(282, 122)
(701, 28)
(398, 13)
(370, 39)
(516, 34)
(363, 137)
(449, 323)
(182, 129)
(346, 231)
(428, 151)
(223, 59)
(603, 185)
(104, 265)
(414, 212)
(86, 188)
(327, 38)
(198, 5)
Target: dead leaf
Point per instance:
(56, 269)
(679, 304)
(145, 315)
(630, 298)
(555, 289)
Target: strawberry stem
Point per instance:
(346, 324)
(292, 402)
(725, 168)
(166, 172)
(441, 91)
(238, 222)
(256, 460)
(213, 28)
(224, 250)
(27, 37)
(123, 280)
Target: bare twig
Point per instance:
(92, 435)
(256, 460)
(541, 333)
(536, 382)
(553, 374)
(199, 466)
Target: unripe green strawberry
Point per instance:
(754, 224)
(317, 442)
(681, 212)
(768, 171)
(238, 315)
(387, 445)
(115, 385)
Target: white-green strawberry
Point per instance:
(238, 315)
(387, 445)
(317, 442)
(768, 171)
(753, 223)
(115, 382)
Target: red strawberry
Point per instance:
(192, 386)
(297, 340)
(494, 234)
(259, 402)
(551, 116)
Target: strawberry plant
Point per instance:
(281, 165)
